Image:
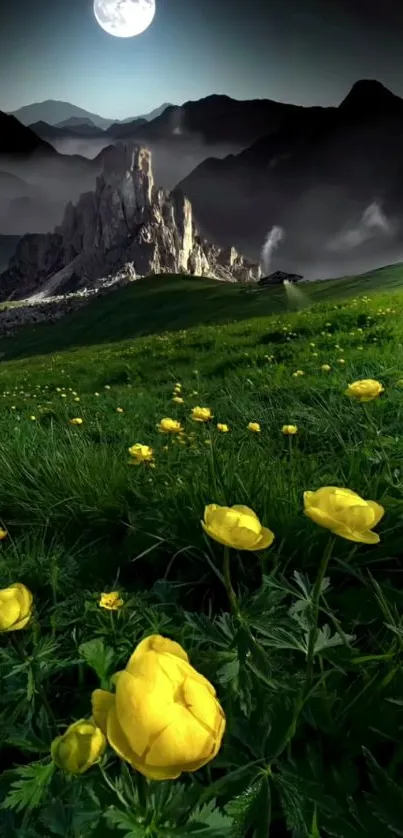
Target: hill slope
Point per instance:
(170, 303)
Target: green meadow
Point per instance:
(302, 640)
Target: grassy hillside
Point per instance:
(152, 305)
(302, 640)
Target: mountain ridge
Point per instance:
(54, 111)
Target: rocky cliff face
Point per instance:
(126, 219)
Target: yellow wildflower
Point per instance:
(222, 427)
(201, 414)
(141, 453)
(365, 390)
(255, 427)
(236, 526)
(15, 606)
(289, 430)
(344, 513)
(76, 421)
(164, 717)
(170, 426)
(111, 601)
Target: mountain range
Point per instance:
(213, 120)
(329, 178)
(54, 112)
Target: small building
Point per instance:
(278, 277)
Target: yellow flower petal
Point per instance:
(102, 702)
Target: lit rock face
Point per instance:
(126, 219)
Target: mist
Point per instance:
(36, 203)
(272, 241)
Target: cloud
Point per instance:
(373, 223)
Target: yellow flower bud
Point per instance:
(344, 513)
(236, 526)
(164, 717)
(254, 426)
(222, 427)
(15, 607)
(365, 390)
(81, 746)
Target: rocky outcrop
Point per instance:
(127, 219)
(51, 309)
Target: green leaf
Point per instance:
(79, 814)
(293, 801)
(282, 725)
(125, 821)
(388, 804)
(326, 640)
(98, 656)
(208, 822)
(30, 786)
(314, 825)
(233, 783)
(242, 810)
(263, 809)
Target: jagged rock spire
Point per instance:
(125, 219)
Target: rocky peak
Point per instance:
(126, 219)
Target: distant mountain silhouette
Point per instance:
(369, 97)
(216, 119)
(148, 116)
(76, 122)
(313, 175)
(120, 130)
(35, 180)
(53, 112)
(212, 120)
(52, 132)
(17, 140)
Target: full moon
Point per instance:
(124, 18)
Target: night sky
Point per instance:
(307, 52)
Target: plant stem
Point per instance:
(313, 633)
(236, 611)
(378, 440)
(228, 586)
(142, 791)
(113, 788)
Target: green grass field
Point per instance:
(308, 672)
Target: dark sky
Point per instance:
(301, 51)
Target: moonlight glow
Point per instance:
(124, 18)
